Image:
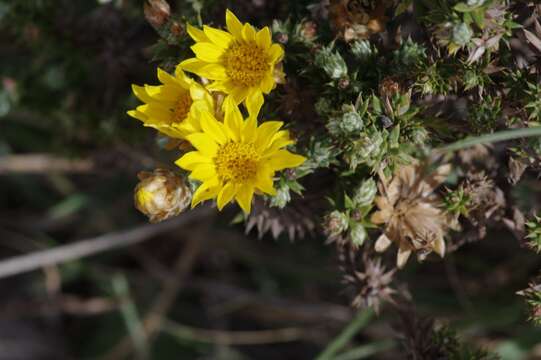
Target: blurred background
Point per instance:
(196, 287)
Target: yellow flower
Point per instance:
(172, 108)
(241, 62)
(237, 158)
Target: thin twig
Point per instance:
(221, 337)
(64, 253)
(359, 321)
(43, 163)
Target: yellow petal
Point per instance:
(268, 83)
(232, 118)
(283, 159)
(164, 92)
(138, 115)
(244, 197)
(208, 52)
(213, 72)
(265, 183)
(218, 37)
(276, 53)
(203, 172)
(141, 93)
(193, 65)
(167, 78)
(204, 143)
(212, 127)
(197, 34)
(227, 194)
(263, 38)
(265, 133)
(208, 190)
(254, 102)
(248, 33)
(190, 160)
(234, 26)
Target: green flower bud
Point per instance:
(351, 122)
(332, 63)
(336, 223)
(462, 34)
(357, 234)
(366, 193)
(362, 50)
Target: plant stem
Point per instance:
(367, 350)
(491, 138)
(359, 321)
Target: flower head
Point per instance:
(237, 158)
(240, 61)
(411, 213)
(161, 195)
(173, 107)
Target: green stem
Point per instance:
(364, 351)
(491, 138)
(359, 321)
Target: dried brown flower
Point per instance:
(157, 12)
(372, 284)
(357, 19)
(161, 194)
(411, 213)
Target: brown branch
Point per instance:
(64, 253)
(43, 163)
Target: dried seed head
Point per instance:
(411, 213)
(157, 12)
(161, 195)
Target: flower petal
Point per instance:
(204, 143)
(203, 172)
(402, 257)
(382, 243)
(193, 65)
(264, 38)
(233, 24)
(208, 52)
(213, 72)
(254, 102)
(227, 194)
(208, 190)
(276, 53)
(218, 37)
(197, 34)
(212, 127)
(233, 118)
(248, 33)
(265, 133)
(244, 197)
(283, 159)
(190, 160)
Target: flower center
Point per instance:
(181, 108)
(246, 63)
(236, 162)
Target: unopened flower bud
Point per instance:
(357, 234)
(336, 223)
(157, 12)
(332, 63)
(161, 194)
(366, 193)
(309, 30)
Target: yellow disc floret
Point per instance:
(182, 107)
(246, 63)
(236, 162)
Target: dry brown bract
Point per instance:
(412, 213)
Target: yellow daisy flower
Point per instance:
(237, 158)
(172, 108)
(240, 61)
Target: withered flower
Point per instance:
(357, 19)
(161, 194)
(411, 213)
(373, 284)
